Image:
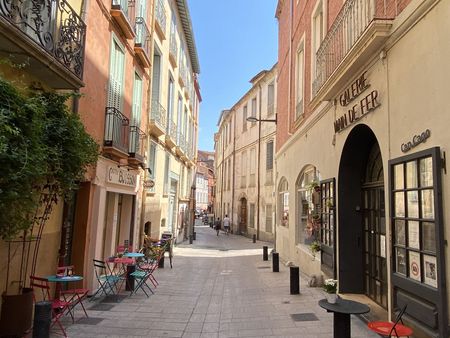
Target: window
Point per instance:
(116, 76)
(244, 118)
(308, 206)
(283, 202)
(269, 218)
(269, 155)
(170, 103)
(271, 99)
(251, 215)
(299, 81)
(180, 114)
(152, 162)
(252, 167)
(317, 34)
(229, 174)
(137, 101)
(244, 169)
(166, 175)
(254, 110)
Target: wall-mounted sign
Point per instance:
(367, 104)
(148, 184)
(120, 176)
(416, 140)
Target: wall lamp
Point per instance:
(254, 119)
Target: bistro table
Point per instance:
(134, 254)
(342, 310)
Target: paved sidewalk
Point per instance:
(218, 287)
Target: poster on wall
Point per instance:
(383, 246)
(429, 263)
(414, 265)
(413, 234)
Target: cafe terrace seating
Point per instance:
(389, 329)
(73, 296)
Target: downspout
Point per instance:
(259, 163)
(291, 14)
(234, 174)
(222, 167)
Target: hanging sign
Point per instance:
(148, 184)
(364, 106)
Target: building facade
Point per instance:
(205, 165)
(245, 159)
(201, 192)
(173, 124)
(362, 110)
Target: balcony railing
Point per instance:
(53, 25)
(116, 130)
(136, 147)
(124, 12)
(158, 114)
(350, 24)
(160, 14)
(173, 48)
(142, 41)
(172, 130)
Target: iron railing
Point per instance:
(136, 147)
(116, 129)
(172, 130)
(183, 73)
(142, 35)
(173, 48)
(53, 25)
(158, 114)
(127, 7)
(160, 14)
(180, 140)
(351, 22)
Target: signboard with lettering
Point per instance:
(416, 140)
(148, 184)
(364, 106)
(120, 176)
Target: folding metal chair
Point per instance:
(74, 296)
(141, 277)
(106, 280)
(58, 306)
(389, 329)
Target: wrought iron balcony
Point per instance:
(358, 31)
(179, 149)
(160, 14)
(171, 134)
(157, 120)
(182, 75)
(45, 35)
(142, 42)
(117, 131)
(173, 49)
(136, 145)
(123, 11)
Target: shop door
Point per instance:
(243, 216)
(171, 211)
(374, 248)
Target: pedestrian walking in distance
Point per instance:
(226, 224)
(218, 225)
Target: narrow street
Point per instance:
(218, 287)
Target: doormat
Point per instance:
(113, 298)
(304, 317)
(101, 307)
(89, 321)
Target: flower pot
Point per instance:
(17, 312)
(331, 297)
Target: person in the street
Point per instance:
(217, 225)
(226, 224)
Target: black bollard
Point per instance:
(275, 262)
(254, 238)
(42, 319)
(129, 285)
(265, 254)
(161, 262)
(190, 239)
(295, 280)
(195, 235)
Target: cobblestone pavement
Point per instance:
(218, 287)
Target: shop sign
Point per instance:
(416, 140)
(120, 176)
(148, 184)
(364, 106)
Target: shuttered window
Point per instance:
(116, 75)
(269, 155)
(137, 101)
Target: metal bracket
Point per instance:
(444, 163)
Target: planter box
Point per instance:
(17, 312)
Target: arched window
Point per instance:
(283, 202)
(308, 206)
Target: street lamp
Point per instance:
(254, 119)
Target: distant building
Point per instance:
(201, 192)
(205, 166)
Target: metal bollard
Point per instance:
(295, 280)
(254, 238)
(265, 254)
(42, 319)
(190, 239)
(195, 236)
(275, 262)
(161, 262)
(129, 285)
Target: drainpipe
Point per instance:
(291, 14)
(259, 164)
(234, 172)
(221, 183)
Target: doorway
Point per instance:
(243, 216)
(362, 222)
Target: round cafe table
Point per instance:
(134, 254)
(64, 279)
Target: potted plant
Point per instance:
(314, 247)
(330, 288)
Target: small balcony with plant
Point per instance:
(157, 122)
(47, 38)
(160, 20)
(359, 31)
(123, 12)
(142, 42)
(136, 146)
(117, 132)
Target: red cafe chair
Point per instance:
(73, 296)
(389, 329)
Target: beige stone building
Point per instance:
(244, 159)
(173, 122)
(361, 143)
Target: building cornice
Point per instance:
(186, 22)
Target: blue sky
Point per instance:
(235, 40)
